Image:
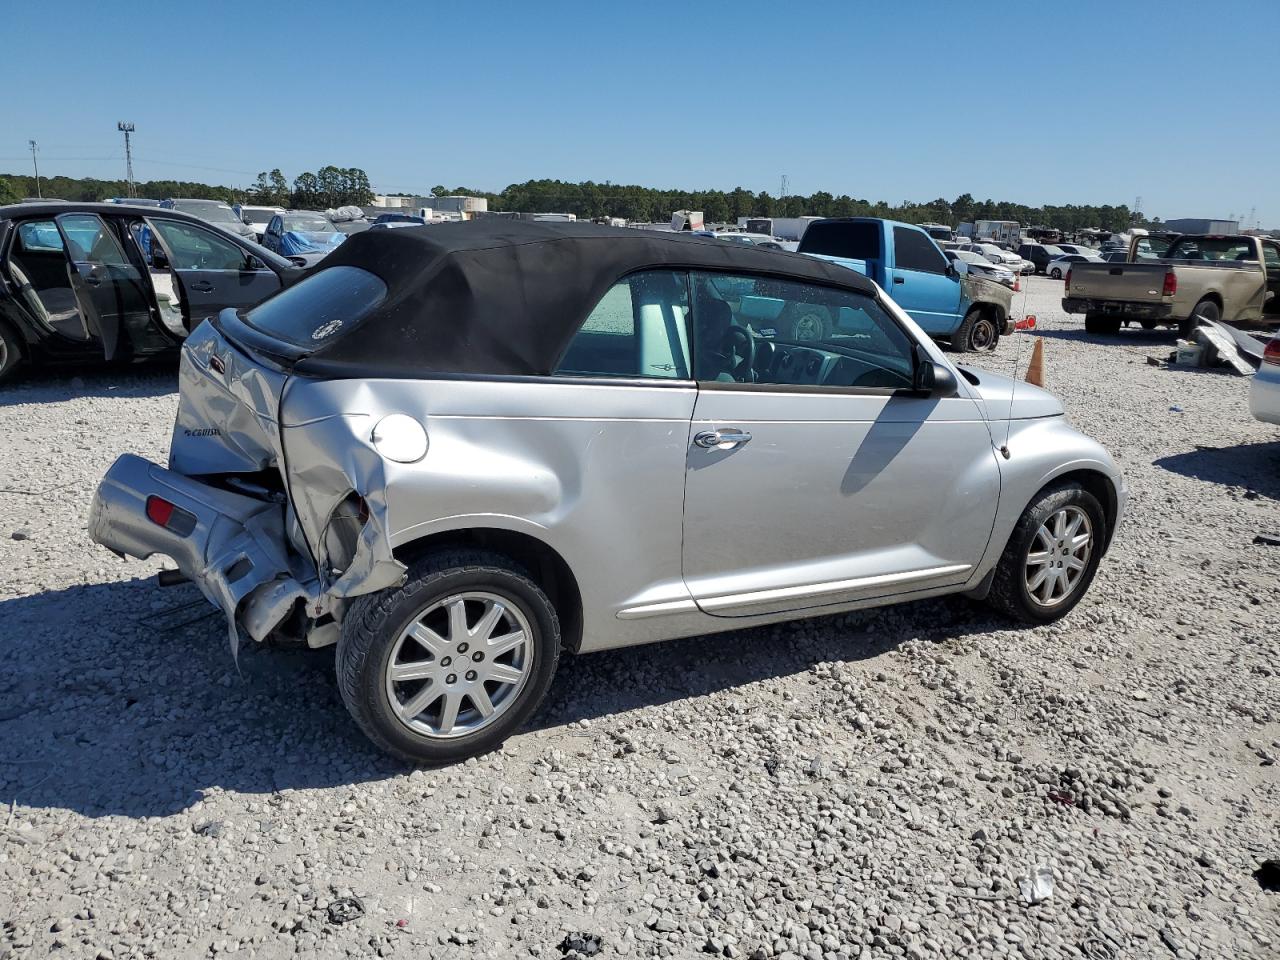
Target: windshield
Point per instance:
(1055, 252)
(212, 212)
(968, 256)
(308, 224)
(259, 214)
(320, 308)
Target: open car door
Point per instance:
(98, 270)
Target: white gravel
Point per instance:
(856, 786)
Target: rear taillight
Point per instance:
(1170, 284)
(1272, 353)
(1067, 284)
(173, 518)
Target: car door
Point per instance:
(815, 476)
(271, 238)
(211, 270)
(920, 283)
(108, 287)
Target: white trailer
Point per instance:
(998, 231)
(784, 228)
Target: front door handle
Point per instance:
(899, 279)
(202, 286)
(712, 439)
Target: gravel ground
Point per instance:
(868, 785)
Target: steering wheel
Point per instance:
(740, 350)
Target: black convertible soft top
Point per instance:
(504, 297)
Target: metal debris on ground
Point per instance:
(1218, 338)
(1036, 885)
(344, 910)
(1267, 540)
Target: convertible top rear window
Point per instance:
(318, 310)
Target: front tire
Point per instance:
(978, 331)
(1055, 273)
(452, 662)
(1051, 557)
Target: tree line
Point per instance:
(332, 186)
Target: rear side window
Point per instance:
(40, 236)
(852, 241)
(638, 329)
(915, 251)
(323, 307)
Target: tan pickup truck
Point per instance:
(1173, 278)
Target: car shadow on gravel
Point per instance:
(1254, 466)
(153, 378)
(122, 698)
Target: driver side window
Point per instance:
(194, 248)
(759, 330)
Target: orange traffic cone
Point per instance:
(1035, 370)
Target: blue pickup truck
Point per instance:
(967, 311)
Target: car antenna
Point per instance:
(1013, 389)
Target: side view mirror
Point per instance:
(245, 219)
(932, 378)
(253, 262)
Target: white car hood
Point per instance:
(1028, 402)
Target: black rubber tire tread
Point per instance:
(1149, 324)
(1207, 308)
(373, 621)
(1008, 589)
(11, 354)
(960, 339)
(1105, 324)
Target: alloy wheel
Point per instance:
(1058, 556)
(459, 665)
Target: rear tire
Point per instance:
(1205, 308)
(1105, 324)
(10, 352)
(978, 331)
(1035, 581)
(423, 680)
(1055, 273)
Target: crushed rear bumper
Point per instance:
(233, 547)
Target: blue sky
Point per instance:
(1068, 102)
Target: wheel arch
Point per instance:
(1098, 484)
(544, 563)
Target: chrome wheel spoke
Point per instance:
(480, 697)
(457, 620)
(449, 712)
(1075, 563)
(505, 644)
(435, 644)
(422, 670)
(504, 674)
(423, 699)
(485, 626)
(1040, 557)
(1034, 583)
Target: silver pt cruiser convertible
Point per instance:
(457, 451)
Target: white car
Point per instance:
(1059, 268)
(256, 217)
(1005, 258)
(1078, 248)
(979, 265)
(1264, 391)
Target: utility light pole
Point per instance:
(37, 168)
(126, 129)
